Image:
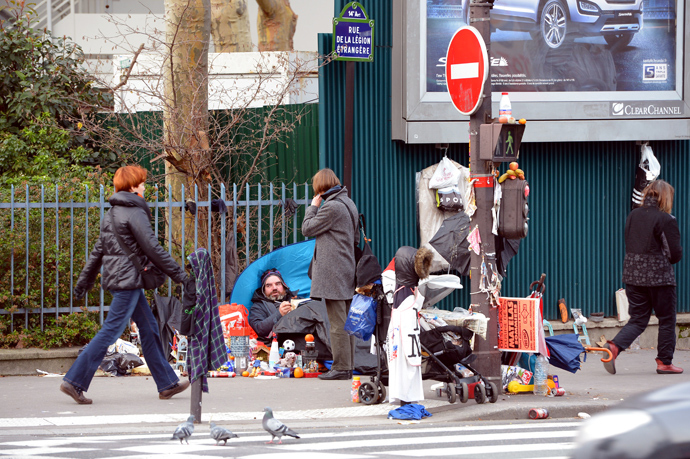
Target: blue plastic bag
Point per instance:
(361, 319)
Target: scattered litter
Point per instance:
(48, 375)
(407, 423)
(583, 415)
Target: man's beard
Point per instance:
(276, 296)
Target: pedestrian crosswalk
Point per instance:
(514, 440)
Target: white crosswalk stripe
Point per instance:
(518, 439)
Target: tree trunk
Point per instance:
(276, 24)
(185, 73)
(230, 26)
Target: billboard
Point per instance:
(600, 69)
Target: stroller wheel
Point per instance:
(368, 393)
(464, 393)
(493, 392)
(450, 391)
(479, 393)
(382, 392)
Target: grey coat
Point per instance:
(133, 224)
(334, 225)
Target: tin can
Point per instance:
(557, 391)
(538, 413)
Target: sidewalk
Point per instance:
(130, 404)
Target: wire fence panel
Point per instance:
(49, 233)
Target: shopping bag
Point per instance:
(445, 175)
(622, 305)
(645, 173)
(361, 319)
(449, 199)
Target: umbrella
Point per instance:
(505, 250)
(565, 351)
(291, 260)
(450, 241)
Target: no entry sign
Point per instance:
(467, 67)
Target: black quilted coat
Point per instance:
(131, 218)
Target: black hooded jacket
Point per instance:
(264, 314)
(131, 218)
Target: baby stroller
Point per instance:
(440, 354)
(442, 349)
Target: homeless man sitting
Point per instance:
(270, 302)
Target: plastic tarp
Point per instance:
(291, 260)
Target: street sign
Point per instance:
(467, 66)
(353, 35)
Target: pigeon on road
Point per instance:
(184, 430)
(221, 434)
(275, 427)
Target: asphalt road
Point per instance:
(490, 440)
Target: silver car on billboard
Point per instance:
(558, 21)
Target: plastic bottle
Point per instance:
(354, 392)
(541, 372)
(274, 355)
(505, 111)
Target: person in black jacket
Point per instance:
(652, 245)
(131, 219)
(270, 302)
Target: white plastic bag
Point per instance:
(649, 163)
(446, 175)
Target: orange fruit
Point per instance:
(522, 121)
(245, 373)
(298, 372)
(309, 338)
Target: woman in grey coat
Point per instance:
(332, 219)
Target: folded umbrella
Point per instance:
(565, 351)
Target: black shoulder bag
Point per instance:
(151, 276)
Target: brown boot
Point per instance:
(611, 366)
(181, 386)
(669, 369)
(76, 394)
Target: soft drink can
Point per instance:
(558, 391)
(538, 413)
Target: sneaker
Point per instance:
(611, 366)
(669, 369)
(76, 394)
(181, 386)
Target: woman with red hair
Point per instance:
(130, 218)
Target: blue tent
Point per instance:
(291, 260)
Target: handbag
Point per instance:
(151, 276)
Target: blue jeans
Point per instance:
(126, 304)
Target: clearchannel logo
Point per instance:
(635, 109)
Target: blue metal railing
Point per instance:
(260, 237)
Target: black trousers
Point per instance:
(641, 301)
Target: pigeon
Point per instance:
(221, 434)
(275, 427)
(184, 430)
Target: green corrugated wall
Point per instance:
(580, 192)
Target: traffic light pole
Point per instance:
(488, 361)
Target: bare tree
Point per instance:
(276, 23)
(230, 26)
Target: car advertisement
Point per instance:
(564, 45)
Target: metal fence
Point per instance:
(35, 266)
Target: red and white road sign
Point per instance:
(467, 66)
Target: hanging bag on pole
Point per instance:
(645, 173)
